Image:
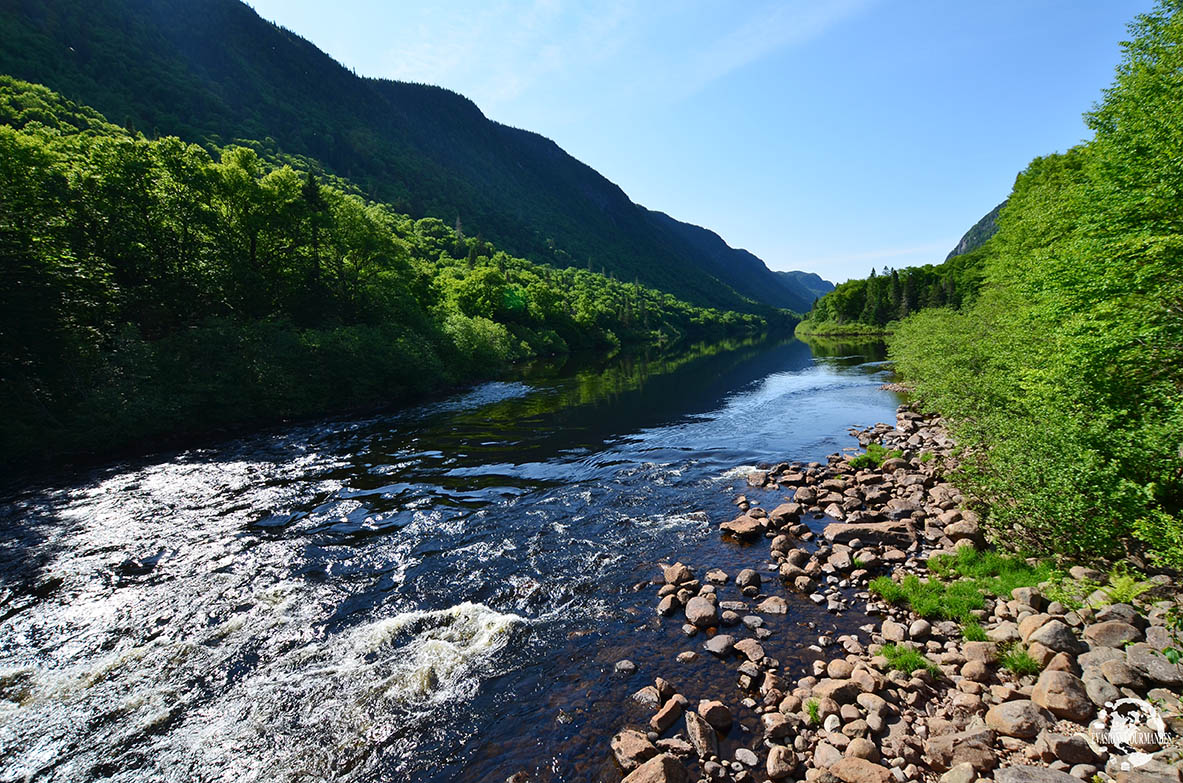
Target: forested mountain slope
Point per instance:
(152, 287)
(214, 70)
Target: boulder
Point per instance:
(632, 748)
(1153, 665)
(773, 605)
(660, 769)
(1064, 695)
(1073, 749)
(856, 770)
(676, 573)
(720, 644)
(716, 714)
(748, 578)
(1022, 718)
(1026, 773)
(1113, 633)
(702, 735)
(1055, 635)
(745, 526)
(973, 746)
(750, 649)
(901, 534)
(701, 612)
(782, 762)
(667, 716)
(962, 773)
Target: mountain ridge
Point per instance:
(215, 70)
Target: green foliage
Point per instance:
(1062, 379)
(907, 660)
(1019, 662)
(213, 71)
(1125, 585)
(931, 598)
(877, 302)
(857, 562)
(813, 709)
(153, 286)
(874, 456)
(991, 572)
(972, 631)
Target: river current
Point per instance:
(435, 594)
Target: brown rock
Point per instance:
(1063, 695)
(702, 735)
(856, 770)
(1023, 718)
(632, 748)
(716, 714)
(975, 746)
(666, 716)
(660, 769)
(1113, 633)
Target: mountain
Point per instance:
(978, 234)
(811, 283)
(746, 273)
(214, 71)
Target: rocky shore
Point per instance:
(909, 698)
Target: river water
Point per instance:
(437, 594)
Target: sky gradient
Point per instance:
(824, 135)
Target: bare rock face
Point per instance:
(1064, 695)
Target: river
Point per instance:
(435, 594)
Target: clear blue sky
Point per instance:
(825, 135)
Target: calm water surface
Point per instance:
(439, 594)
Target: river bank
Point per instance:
(992, 668)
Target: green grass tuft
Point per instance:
(814, 711)
(1019, 662)
(907, 660)
(972, 631)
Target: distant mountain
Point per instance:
(979, 234)
(746, 273)
(214, 70)
(811, 283)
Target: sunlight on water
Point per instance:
(435, 595)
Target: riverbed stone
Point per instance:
(715, 713)
(667, 716)
(702, 735)
(857, 770)
(632, 748)
(701, 612)
(773, 605)
(1021, 718)
(745, 526)
(899, 533)
(1064, 695)
(1055, 635)
(660, 769)
(720, 644)
(750, 649)
(782, 762)
(975, 746)
(1027, 773)
(1113, 633)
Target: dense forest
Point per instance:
(214, 71)
(869, 305)
(1063, 375)
(153, 286)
